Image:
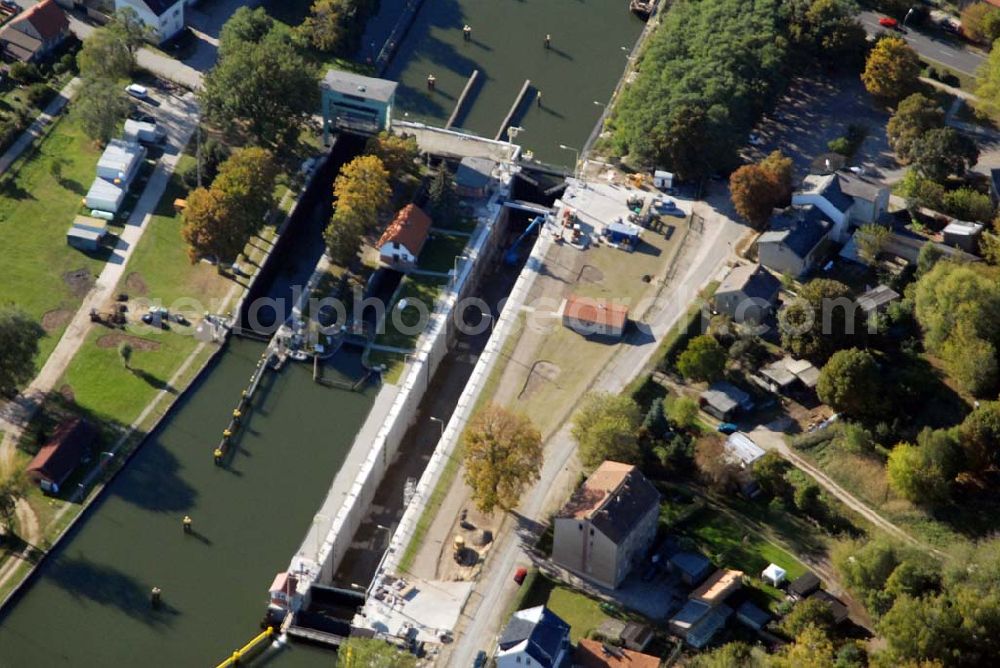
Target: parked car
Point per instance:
(727, 428)
(520, 574)
(888, 22)
(480, 660)
(137, 91)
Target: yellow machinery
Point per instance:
(244, 651)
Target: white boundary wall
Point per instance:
(327, 540)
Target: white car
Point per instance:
(137, 91)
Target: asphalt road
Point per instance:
(930, 46)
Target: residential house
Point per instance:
(964, 235)
(607, 525)
(724, 400)
(404, 238)
(594, 317)
(163, 18)
(356, 102)
(794, 243)
(595, 654)
(57, 459)
(534, 638)
(474, 177)
(845, 198)
(752, 617)
(747, 294)
(36, 33)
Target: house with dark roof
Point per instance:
(404, 238)
(847, 199)
(747, 294)
(804, 585)
(34, 34)
(474, 176)
(724, 401)
(793, 243)
(164, 18)
(751, 616)
(692, 567)
(837, 607)
(607, 525)
(535, 637)
(58, 458)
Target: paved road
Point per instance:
(930, 46)
(177, 115)
(703, 259)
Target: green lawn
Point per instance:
(415, 289)
(581, 612)
(440, 251)
(36, 209)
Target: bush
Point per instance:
(968, 204)
(840, 145)
(39, 94)
(67, 63)
(23, 73)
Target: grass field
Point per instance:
(440, 251)
(39, 271)
(402, 326)
(581, 612)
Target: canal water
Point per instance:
(589, 49)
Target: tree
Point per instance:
(892, 70)
(871, 240)
(851, 383)
(754, 192)
(125, 354)
(13, 487)
(922, 628)
(915, 476)
(127, 26)
(398, 153)
(928, 257)
(811, 648)
(827, 30)
(24, 73)
(358, 652)
(714, 463)
(968, 204)
(682, 411)
(363, 187)
(970, 359)
(100, 106)
(807, 499)
(914, 116)
(502, 456)
(442, 197)
(247, 180)
(730, 655)
(979, 436)
(703, 359)
(810, 612)
(748, 352)
(245, 26)
(821, 321)
(981, 23)
(988, 83)
(263, 88)
(19, 337)
(769, 472)
(605, 427)
(209, 227)
(106, 54)
(782, 169)
(343, 237)
(324, 27)
(942, 152)
(920, 191)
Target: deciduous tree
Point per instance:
(892, 70)
(343, 237)
(714, 463)
(943, 152)
(105, 55)
(245, 26)
(821, 321)
(398, 153)
(851, 383)
(682, 411)
(324, 27)
(810, 612)
(502, 456)
(125, 354)
(915, 476)
(967, 204)
(19, 337)
(981, 22)
(100, 106)
(209, 227)
(754, 192)
(871, 240)
(915, 115)
(247, 179)
(605, 427)
(363, 187)
(703, 359)
(782, 170)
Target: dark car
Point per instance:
(727, 428)
(480, 659)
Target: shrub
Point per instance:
(23, 73)
(39, 94)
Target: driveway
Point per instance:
(934, 46)
(205, 21)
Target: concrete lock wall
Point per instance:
(432, 347)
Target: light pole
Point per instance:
(576, 154)
(906, 18)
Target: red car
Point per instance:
(888, 22)
(520, 574)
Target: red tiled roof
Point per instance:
(409, 229)
(47, 17)
(57, 458)
(597, 311)
(592, 654)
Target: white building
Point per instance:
(534, 638)
(164, 18)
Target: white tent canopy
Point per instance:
(773, 574)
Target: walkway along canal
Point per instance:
(89, 602)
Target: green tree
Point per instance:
(125, 354)
(754, 192)
(812, 647)
(979, 436)
(769, 472)
(981, 23)
(398, 153)
(100, 106)
(920, 191)
(106, 54)
(928, 257)
(871, 240)
(748, 352)
(265, 89)
(915, 115)
(810, 612)
(988, 83)
(970, 359)
(324, 27)
(358, 652)
(827, 30)
(245, 26)
(605, 427)
(703, 359)
(891, 70)
(942, 152)
(343, 236)
(128, 27)
(922, 628)
(915, 476)
(682, 411)
(19, 337)
(851, 383)
(13, 487)
(442, 197)
(247, 180)
(968, 204)
(502, 455)
(782, 170)
(715, 464)
(730, 655)
(209, 227)
(24, 73)
(808, 499)
(821, 321)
